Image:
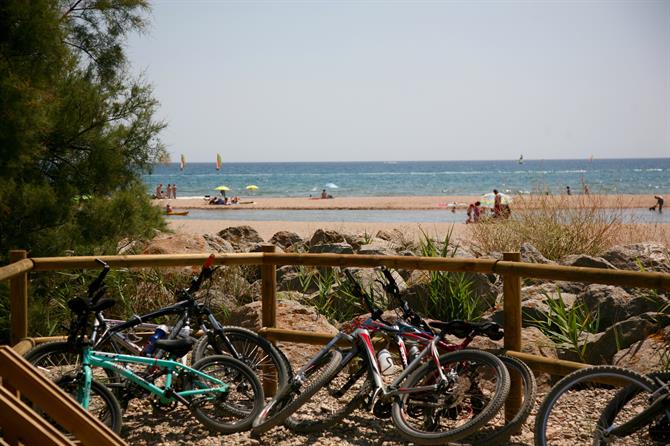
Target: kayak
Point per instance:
(177, 213)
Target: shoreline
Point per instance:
(627, 201)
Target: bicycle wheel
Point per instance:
(476, 388)
(266, 360)
(496, 431)
(345, 392)
(103, 405)
(296, 393)
(234, 410)
(571, 411)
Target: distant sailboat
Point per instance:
(182, 163)
(521, 159)
(218, 161)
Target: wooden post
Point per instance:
(269, 312)
(18, 291)
(512, 327)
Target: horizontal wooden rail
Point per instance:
(144, 260)
(16, 268)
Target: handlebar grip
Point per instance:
(95, 285)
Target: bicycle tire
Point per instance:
(344, 404)
(588, 380)
(292, 396)
(249, 345)
(107, 409)
(403, 408)
(59, 358)
(497, 435)
(213, 412)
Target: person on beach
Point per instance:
(473, 212)
(567, 189)
(586, 189)
(168, 191)
(159, 191)
(659, 204)
(168, 208)
(174, 191)
(497, 203)
(324, 194)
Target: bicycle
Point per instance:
(223, 393)
(426, 401)
(624, 408)
(345, 392)
(272, 367)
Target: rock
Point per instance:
(652, 257)
(285, 239)
(241, 237)
(530, 254)
(258, 247)
(332, 248)
(355, 240)
(297, 281)
(646, 356)
(290, 315)
(534, 305)
(586, 261)
(322, 237)
(176, 244)
(613, 304)
(218, 244)
(377, 249)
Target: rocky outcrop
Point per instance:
(332, 248)
(651, 256)
(648, 355)
(241, 237)
(176, 244)
(611, 304)
(531, 254)
(326, 237)
(586, 261)
(286, 239)
(377, 248)
(218, 244)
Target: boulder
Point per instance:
(355, 240)
(377, 248)
(646, 356)
(241, 237)
(297, 281)
(332, 248)
(285, 239)
(290, 315)
(178, 243)
(531, 254)
(326, 237)
(651, 256)
(534, 305)
(218, 244)
(586, 261)
(613, 304)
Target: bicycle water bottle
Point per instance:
(150, 346)
(185, 332)
(413, 352)
(385, 361)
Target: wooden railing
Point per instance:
(510, 268)
(21, 425)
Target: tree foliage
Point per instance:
(76, 130)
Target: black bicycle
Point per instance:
(56, 359)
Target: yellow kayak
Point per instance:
(177, 213)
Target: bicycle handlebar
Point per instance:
(205, 273)
(94, 290)
(358, 292)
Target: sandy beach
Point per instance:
(412, 230)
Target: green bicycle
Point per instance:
(223, 393)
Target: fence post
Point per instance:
(512, 326)
(269, 312)
(18, 291)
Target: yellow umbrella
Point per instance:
(252, 187)
(223, 188)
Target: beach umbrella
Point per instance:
(223, 188)
(331, 186)
(489, 199)
(251, 187)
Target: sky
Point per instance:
(409, 80)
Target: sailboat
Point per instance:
(218, 161)
(521, 159)
(182, 162)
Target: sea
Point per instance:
(414, 178)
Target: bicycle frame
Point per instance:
(111, 361)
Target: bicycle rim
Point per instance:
(570, 413)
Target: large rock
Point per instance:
(611, 304)
(218, 244)
(586, 261)
(332, 248)
(377, 248)
(326, 237)
(176, 244)
(286, 239)
(531, 254)
(534, 303)
(241, 237)
(646, 356)
(652, 257)
(290, 315)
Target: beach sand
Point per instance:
(412, 230)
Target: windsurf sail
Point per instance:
(521, 159)
(218, 161)
(182, 162)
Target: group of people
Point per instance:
(500, 209)
(171, 191)
(224, 200)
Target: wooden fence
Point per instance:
(510, 268)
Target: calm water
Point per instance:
(636, 176)
(370, 216)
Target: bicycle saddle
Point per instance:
(463, 329)
(176, 347)
(80, 306)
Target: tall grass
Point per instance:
(555, 225)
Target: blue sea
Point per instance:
(609, 176)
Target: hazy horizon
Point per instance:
(409, 81)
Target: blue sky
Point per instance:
(403, 80)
